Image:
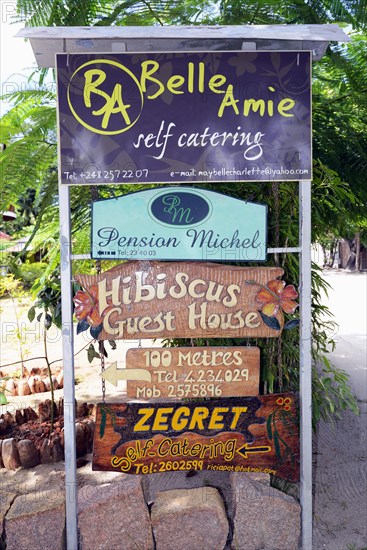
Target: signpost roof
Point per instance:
(47, 41)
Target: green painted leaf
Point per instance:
(268, 427)
(103, 423)
(276, 445)
(92, 354)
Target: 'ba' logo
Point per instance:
(112, 99)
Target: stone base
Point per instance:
(36, 520)
(189, 519)
(114, 516)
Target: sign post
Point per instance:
(173, 135)
(306, 362)
(207, 314)
(71, 507)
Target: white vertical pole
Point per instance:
(68, 363)
(306, 362)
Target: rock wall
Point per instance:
(26, 441)
(205, 511)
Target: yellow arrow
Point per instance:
(246, 449)
(113, 374)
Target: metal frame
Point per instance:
(179, 38)
(305, 362)
(71, 493)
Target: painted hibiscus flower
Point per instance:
(86, 306)
(277, 296)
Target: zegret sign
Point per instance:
(238, 434)
(178, 223)
(184, 117)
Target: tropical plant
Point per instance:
(49, 302)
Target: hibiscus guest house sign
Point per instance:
(178, 300)
(184, 117)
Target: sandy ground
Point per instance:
(340, 485)
(340, 479)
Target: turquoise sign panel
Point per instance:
(178, 223)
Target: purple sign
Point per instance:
(184, 117)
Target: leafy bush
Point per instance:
(9, 285)
(28, 273)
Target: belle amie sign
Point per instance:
(124, 117)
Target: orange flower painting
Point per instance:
(86, 306)
(277, 296)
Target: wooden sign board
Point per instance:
(180, 373)
(178, 300)
(248, 434)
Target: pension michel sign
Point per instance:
(184, 117)
(178, 223)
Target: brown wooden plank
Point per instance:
(177, 300)
(248, 434)
(179, 373)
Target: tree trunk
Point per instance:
(357, 240)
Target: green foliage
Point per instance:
(115, 12)
(29, 272)
(48, 300)
(339, 113)
(331, 394)
(11, 286)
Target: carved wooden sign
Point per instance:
(248, 434)
(178, 300)
(180, 373)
